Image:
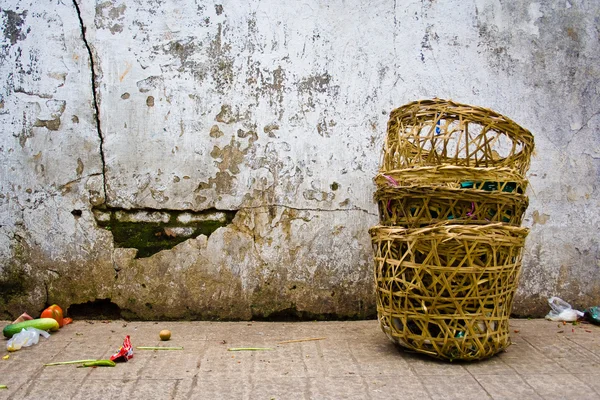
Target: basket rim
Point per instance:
(451, 230)
(467, 111)
(419, 113)
(443, 174)
(458, 171)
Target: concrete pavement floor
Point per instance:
(548, 360)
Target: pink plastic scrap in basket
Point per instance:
(393, 182)
(390, 180)
(470, 213)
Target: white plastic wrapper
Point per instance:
(562, 311)
(27, 337)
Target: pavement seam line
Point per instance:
(362, 377)
(37, 375)
(418, 378)
(174, 391)
(588, 351)
(519, 374)
(479, 383)
(567, 372)
(195, 377)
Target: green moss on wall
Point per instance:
(151, 237)
(12, 283)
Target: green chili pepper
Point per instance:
(99, 363)
(69, 362)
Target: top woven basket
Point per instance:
(440, 132)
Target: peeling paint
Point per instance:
(107, 16)
(540, 218)
(222, 182)
(228, 115)
(13, 22)
(231, 156)
(215, 132)
(270, 129)
(150, 83)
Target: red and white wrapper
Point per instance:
(125, 352)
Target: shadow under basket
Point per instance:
(447, 290)
(418, 206)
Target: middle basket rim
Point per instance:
(452, 230)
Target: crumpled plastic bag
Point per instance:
(27, 337)
(124, 353)
(562, 311)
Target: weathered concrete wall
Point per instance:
(240, 138)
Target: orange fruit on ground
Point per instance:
(165, 334)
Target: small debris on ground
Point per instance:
(125, 352)
(22, 317)
(304, 340)
(159, 348)
(248, 348)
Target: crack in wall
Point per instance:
(310, 209)
(73, 181)
(95, 98)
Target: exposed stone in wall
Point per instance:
(144, 115)
(268, 261)
(151, 231)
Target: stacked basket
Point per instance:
(450, 192)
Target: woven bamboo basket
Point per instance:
(447, 290)
(502, 179)
(418, 206)
(441, 132)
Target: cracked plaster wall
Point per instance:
(278, 111)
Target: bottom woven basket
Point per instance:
(447, 290)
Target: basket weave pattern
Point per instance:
(417, 206)
(453, 176)
(451, 198)
(441, 132)
(447, 290)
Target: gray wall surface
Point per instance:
(196, 159)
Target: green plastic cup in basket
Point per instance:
(447, 290)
